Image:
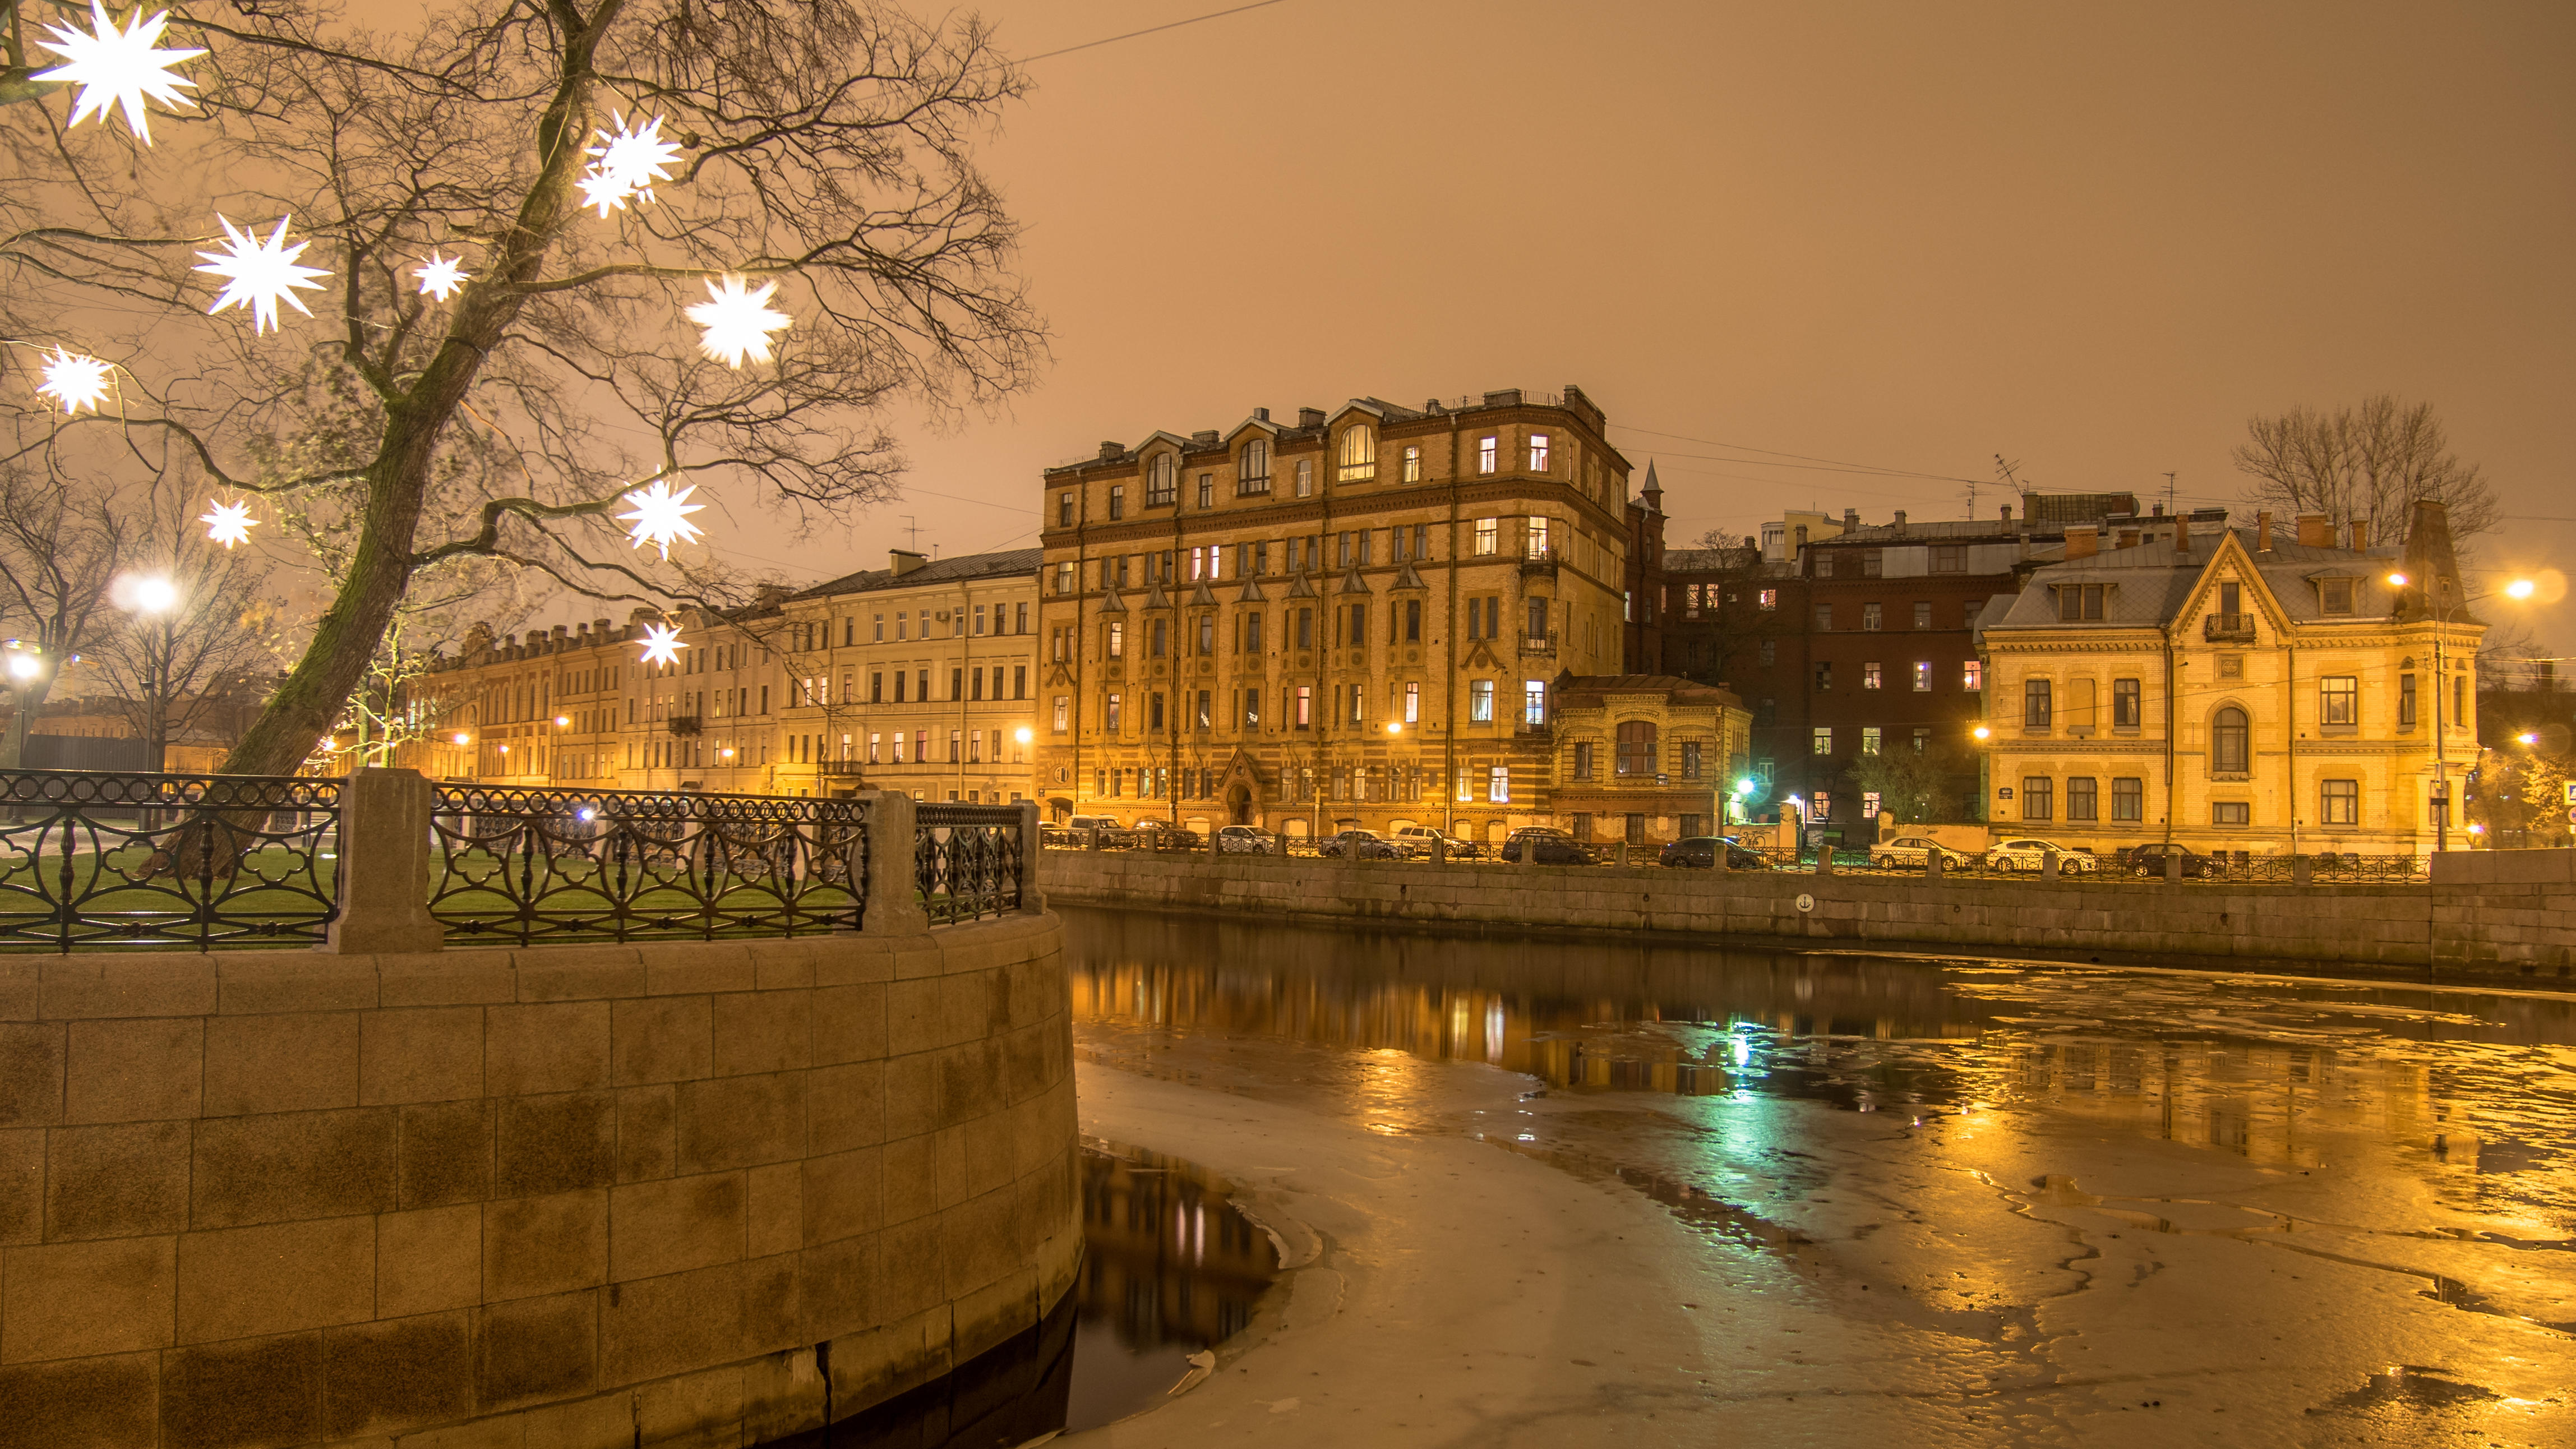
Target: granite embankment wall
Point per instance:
(2502, 915)
(576, 1197)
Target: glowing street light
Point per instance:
(2520, 589)
(25, 663)
(1023, 734)
(563, 721)
(460, 738)
(1982, 733)
(1395, 727)
(156, 595)
(2526, 739)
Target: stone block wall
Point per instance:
(2495, 926)
(569, 1196)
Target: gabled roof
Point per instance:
(960, 569)
(2155, 583)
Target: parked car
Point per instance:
(1362, 845)
(1113, 836)
(1550, 846)
(1700, 852)
(1246, 840)
(1152, 834)
(1420, 838)
(1915, 852)
(2149, 859)
(2025, 852)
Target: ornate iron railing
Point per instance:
(966, 860)
(95, 859)
(523, 866)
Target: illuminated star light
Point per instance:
(259, 273)
(228, 523)
(604, 191)
(440, 276)
(121, 68)
(633, 159)
(662, 644)
(661, 517)
(738, 322)
(75, 380)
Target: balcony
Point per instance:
(1542, 646)
(841, 769)
(1539, 561)
(2228, 629)
(684, 724)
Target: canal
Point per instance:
(1544, 1193)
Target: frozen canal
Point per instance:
(1544, 1193)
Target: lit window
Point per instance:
(1923, 676)
(1359, 454)
(1413, 462)
(1488, 454)
(1480, 701)
(1538, 452)
(1489, 532)
(1538, 538)
(1117, 641)
(1498, 784)
(1869, 739)
(1871, 677)
(1768, 599)
(1534, 701)
(1823, 739)
(1972, 675)
(1412, 703)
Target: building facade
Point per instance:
(2232, 689)
(915, 677)
(1366, 618)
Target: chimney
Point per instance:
(2316, 531)
(599, 626)
(1801, 546)
(1112, 450)
(1851, 519)
(2083, 540)
(1261, 415)
(1310, 417)
(1900, 520)
(2182, 533)
(2007, 513)
(2360, 534)
(903, 560)
(2263, 531)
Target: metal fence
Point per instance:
(526, 866)
(966, 860)
(106, 859)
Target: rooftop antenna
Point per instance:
(913, 528)
(2169, 493)
(2004, 471)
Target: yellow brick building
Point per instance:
(2174, 679)
(1363, 618)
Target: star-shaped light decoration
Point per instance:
(117, 67)
(631, 160)
(227, 523)
(75, 380)
(440, 276)
(259, 273)
(602, 190)
(738, 321)
(662, 644)
(661, 517)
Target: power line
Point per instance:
(1803, 457)
(1148, 30)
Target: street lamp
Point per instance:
(28, 668)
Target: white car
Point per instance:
(1245, 840)
(1915, 852)
(2027, 851)
(1420, 838)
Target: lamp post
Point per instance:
(28, 669)
(2517, 590)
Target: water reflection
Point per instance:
(1171, 1268)
(2472, 1093)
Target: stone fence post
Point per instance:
(384, 865)
(894, 895)
(1031, 902)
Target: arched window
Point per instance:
(1636, 747)
(2228, 739)
(1359, 454)
(1252, 470)
(1162, 479)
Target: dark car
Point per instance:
(1361, 845)
(1164, 835)
(1549, 847)
(2149, 860)
(1700, 852)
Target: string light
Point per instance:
(75, 380)
(661, 517)
(117, 67)
(737, 321)
(630, 161)
(260, 273)
(228, 523)
(440, 276)
(662, 644)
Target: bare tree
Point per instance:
(1732, 621)
(61, 545)
(823, 147)
(2372, 462)
(195, 625)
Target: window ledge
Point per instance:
(2125, 731)
(2332, 730)
(2230, 775)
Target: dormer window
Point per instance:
(2079, 602)
(1359, 454)
(1162, 480)
(2334, 596)
(1252, 469)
